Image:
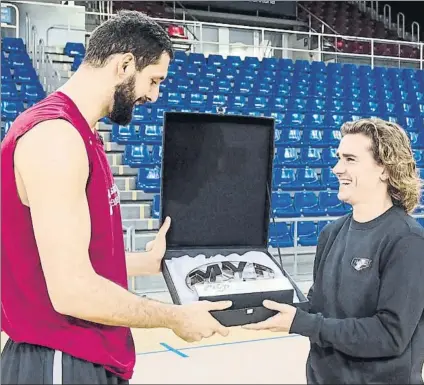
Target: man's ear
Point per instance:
(384, 175)
(126, 65)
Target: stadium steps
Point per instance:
(136, 205)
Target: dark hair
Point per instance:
(128, 31)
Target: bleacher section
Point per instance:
(348, 20)
(309, 101)
(20, 85)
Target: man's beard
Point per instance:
(123, 104)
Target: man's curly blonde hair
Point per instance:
(391, 148)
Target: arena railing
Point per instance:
(269, 42)
(285, 252)
(297, 249)
(316, 44)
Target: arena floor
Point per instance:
(243, 357)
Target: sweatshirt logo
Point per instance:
(361, 263)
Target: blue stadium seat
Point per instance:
(269, 63)
(331, 138)
(198, 99)
(192, 71)
(76, 63)
(153, 133)
(148, 179)
(216, 60)
(175, 99)
(329, 179)
(205, 85)
(12, 44)
(6, 75)
(278, 102)
(311, 157)
(321, 225)
(238, 102)
(9, 92)
(293, 138)
(126, 134)
(74, 49)
(287, 157)
(282, 205)
(307, 179)
(285, 65)
(234, 61)
(209, 72)
(180, 58)
(157, 154)
(156, 206)
(313, 138)
(137, 155)
(251, 63)
(140, 115)
(196, 58)
(306, 233)
(223, 86)
(228, 72)
(10, 110)
(32, 92)
(330, 203)
(329, 158)
(279, 235)
(284, 178)
(419, 157)
(306, 203)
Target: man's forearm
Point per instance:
(99, 300)
(136, 264)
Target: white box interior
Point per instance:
(180, 267)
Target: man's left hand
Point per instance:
(155, 250)
(281, 322)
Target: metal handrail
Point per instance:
(418, 31)
(16, 25)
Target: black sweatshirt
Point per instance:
(366, 323)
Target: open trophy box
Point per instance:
(216, 187)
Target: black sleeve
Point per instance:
(399, 310)
(322, 240)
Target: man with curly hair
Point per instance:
(365, 322)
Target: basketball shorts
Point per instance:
(23, 363)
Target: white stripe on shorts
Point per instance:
(57, 367)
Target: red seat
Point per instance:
(176, 31)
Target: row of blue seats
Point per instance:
(141, 156)
(284, 179)
(292, 103)
(20, 76)
(281, 234)
(152, 134)
(271, 76)
(16, 60)
(302, 204)
(143, 115)
(301, 66)
(26, 92)
(282, 88)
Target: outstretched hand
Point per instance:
(281, 322)
(155, 250)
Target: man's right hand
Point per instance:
(193, 322)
